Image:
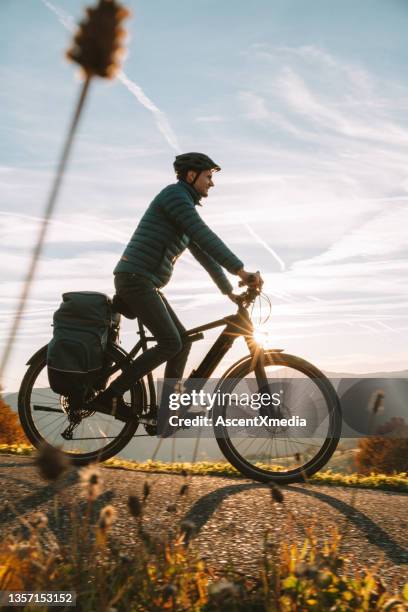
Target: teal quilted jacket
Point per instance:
(169, 226)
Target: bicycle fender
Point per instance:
(43, 349)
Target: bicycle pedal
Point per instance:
(148, 421)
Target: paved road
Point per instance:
(230, 515)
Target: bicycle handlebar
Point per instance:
(247, 297)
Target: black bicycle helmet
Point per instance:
(194, 161)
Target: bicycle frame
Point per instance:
(236, 325)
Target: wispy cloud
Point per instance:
(210, 119)
(256, 108)
(255, 105)
(318, 89)
(81, 228)
(382, 236)
(327, 114)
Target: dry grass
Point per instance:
(165, 572)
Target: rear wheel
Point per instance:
(282, 454)
(44, 416)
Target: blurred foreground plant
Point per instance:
(11, 431)
(387, 451)
(162, 570)
(97, 48)
(98, 44)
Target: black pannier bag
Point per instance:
(76, 353)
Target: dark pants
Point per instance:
(154, 311)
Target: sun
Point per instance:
(261, 335)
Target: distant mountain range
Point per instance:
(11, 398)
(141, 448)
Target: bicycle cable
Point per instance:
(262, 297)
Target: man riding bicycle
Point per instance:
(169, 226)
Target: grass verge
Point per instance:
(385, 482)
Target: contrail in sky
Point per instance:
(160, 118)
(265, 245)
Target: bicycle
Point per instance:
(279, 456)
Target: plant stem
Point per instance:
(52, 198)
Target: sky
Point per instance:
(303, 105)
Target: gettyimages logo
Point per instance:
(184, 411)
(254, 401)
(284, 409)
(208, 400)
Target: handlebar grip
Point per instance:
(251, 278)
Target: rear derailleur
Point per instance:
(75, 412)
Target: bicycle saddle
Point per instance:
(120, 306)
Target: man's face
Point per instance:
(203, 183)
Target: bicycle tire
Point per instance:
(300, 473)
(25, 410)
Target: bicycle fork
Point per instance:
(272, 410)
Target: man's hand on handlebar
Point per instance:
(251, 279)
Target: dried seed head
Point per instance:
(324, 579)
(304, 570)
(125, 559)
(146, 490)
(91, 482)
(276, 493)
(171, 508)
(134, 505)
(183, 489)
(377, 402)
(24, 550)
(169, 590)
(51, 462)
(98, 43)
(223, 587)
(102, 524)
(108, 515)
(39, 520)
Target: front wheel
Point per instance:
(44, 416)
(286, 442)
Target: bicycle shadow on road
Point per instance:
(203, 509)
(58, 521)
(373, 533)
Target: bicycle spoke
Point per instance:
(281, 451)
(47, 416)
